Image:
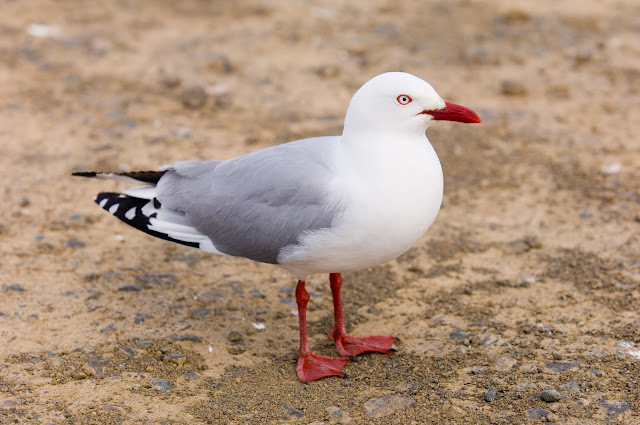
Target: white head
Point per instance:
(400, 103)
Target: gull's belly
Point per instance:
(381, 229)
(384, 218)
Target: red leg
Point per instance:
(312, 366)
(349, 346)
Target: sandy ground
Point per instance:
(526, 287)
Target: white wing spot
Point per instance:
(130, 214)
(113, 208)
(148, 209)
(103, 202)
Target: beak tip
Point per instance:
(459, 113)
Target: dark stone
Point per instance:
(550, 396)
(130, 288)
(194, 97)
(537, 413)
(176, 358)
(561, 366)
(94, 296)
(570, 387)
(160, 385)
(287, 301)
(72, 243)
(383, 406)
(190, 375)
(292, 411)
(157, 279)
(490, 395)
(461, 336)
(191, 338)
(97, 365)
(256, 293)
(109, 328)
(235, 336)
(200, 312)
(615, 410)
(130, 350)
(213, 295)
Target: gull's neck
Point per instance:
(383, 143)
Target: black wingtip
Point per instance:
(129, 210)
(85, 174)
(149, 177)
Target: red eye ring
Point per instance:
(404, 99)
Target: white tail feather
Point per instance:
(142, 192)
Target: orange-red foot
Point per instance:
(312, 366)
(351, 346)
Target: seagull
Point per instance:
(330, 204)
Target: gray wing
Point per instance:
(254, 205)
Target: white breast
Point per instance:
(390, 199)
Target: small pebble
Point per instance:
(43, 31)
(130, 350)
(490, 395)
(571, 387)
(211, 296)
(72, 243)
(193, 97)
(516, 16)
(513, 88)
(171, 82)
(130, 288)
(182, 132)
(190, 375)
(16, 287)
(160, 385)
(384, 406)
(235, 336)
(292, 411)
(200, 312)
(219, 63)
(287, 301)
(480, 55)
(550, 396)
(256, 293)
(109, 328)
(561, 366)
(585, 213)
(192, 338)
(537, 413)
(179, 359)
(328, 71)
(9, 404)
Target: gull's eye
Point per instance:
(404, 99)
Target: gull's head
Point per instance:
(401, 103)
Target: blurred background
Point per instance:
(527, 283)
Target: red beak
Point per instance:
(453, 112)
